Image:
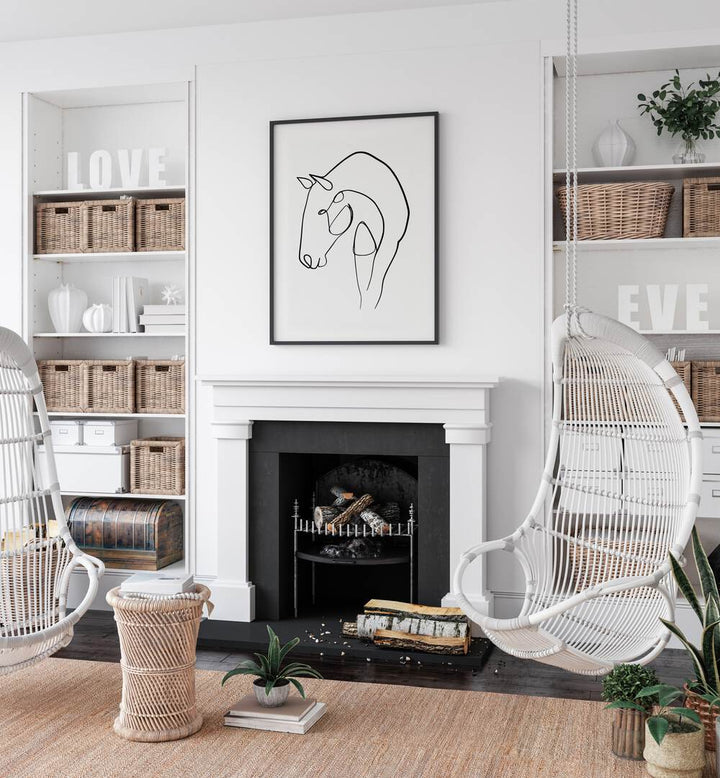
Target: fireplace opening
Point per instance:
(295, 466)
(356, 539)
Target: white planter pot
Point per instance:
(66, 304)
(613, 147)
(98, 318)
(278, 694)
(680, 755)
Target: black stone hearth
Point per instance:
(286, 461)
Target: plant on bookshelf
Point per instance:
(273, 680)
(685, 111)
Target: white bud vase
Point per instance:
(66, 304)
(613, 147)
(98, 318)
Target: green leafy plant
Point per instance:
(270, 668)
(624, 682)
(686, 111)
(705, 657)
(667, 718)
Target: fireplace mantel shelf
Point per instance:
(484, 382)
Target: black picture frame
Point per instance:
(435, 115)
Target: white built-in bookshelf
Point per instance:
(83, 121)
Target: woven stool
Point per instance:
(157, 644)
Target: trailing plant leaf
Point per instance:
(298, 686)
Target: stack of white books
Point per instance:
(164, 319)
(128, 297)
(296, 715)
(157, 583)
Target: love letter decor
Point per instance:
(129, 165)
(353, 229)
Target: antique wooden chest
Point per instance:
(126, 533)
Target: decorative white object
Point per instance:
(696, 306)
(129, 164)
(35, 583)
(662, 302)
(171, 294)
(98, 318)
(662, 311)
(613, 147)
(619, 491)
(67, 304)
(627, 304)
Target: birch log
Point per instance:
(342, 496)
(390, 511)
(323, 514)
(375, 521)
(368, 624)
(410, 610)
(432, 645)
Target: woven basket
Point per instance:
(157, 466)
(160, 224)
(684, 370)
(706, 390)
(160, 386)
(701, 207)
(111, 385)
(109, 225)
(707, 716)
(59, 228)
(621, 211)
(65, 384)
(157, 643)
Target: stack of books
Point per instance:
(128, 297)
(164, 319)
(157, 583)
(296, 715)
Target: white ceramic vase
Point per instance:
(277, 697)
(67, 304)
(98, 318)
(613, 147)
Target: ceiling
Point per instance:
(23, 20)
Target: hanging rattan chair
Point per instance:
(37, 554)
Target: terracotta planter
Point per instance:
(680, 755)
(707, 716)
(628, 733)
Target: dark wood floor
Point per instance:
(96, 640)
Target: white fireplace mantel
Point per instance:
(462, 406)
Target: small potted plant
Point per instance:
(620, 688)
(705, 688)
(272, 684)
(685, 111)
(674, 743)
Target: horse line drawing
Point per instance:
(359, 210)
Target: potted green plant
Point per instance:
(688, 111)
(674, 745)
(620, 688)
(705, 688)
(272, 684)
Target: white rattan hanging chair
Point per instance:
(37, 555)
(619, 492)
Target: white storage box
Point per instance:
(110, 432)
(105, 469)
(66, 432)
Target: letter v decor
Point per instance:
(353, 229)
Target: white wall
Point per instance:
(480, 66)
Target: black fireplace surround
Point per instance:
(286, 457)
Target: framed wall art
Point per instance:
(353, 229)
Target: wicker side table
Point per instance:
(157, 646)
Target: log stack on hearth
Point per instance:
(349, 509)
(412, 627)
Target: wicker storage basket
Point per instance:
(160, 224)
(157, 644)
(160, 386)
(157, 466)
(65, 384)
(684, 370)
(59, 228)
(621, 211)
(701, 207)
(706, 390)
(111, 385)
(109, 225)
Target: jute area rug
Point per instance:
(56, 720)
